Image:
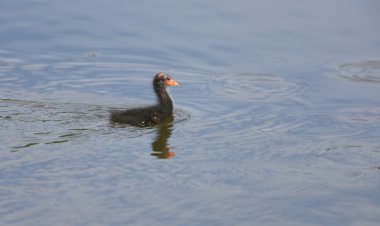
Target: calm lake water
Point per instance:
(276, 122)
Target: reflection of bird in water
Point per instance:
(152, 115)
(159, 146)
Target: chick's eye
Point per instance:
(167, 78)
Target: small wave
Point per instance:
(254, 86)
(362, 71)
(27, 123)
(366, 116)
(180, 115)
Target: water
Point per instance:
(276, 122)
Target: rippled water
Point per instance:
(276, 121)
(365, 71)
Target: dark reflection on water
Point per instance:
(160, 146)
(163, 131)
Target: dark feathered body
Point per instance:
(149, 116)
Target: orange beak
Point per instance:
(171, 82)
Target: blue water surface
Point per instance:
(276, 121)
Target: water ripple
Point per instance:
(362, 71)
(253, 86)
(237, 106)
(369, 116)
